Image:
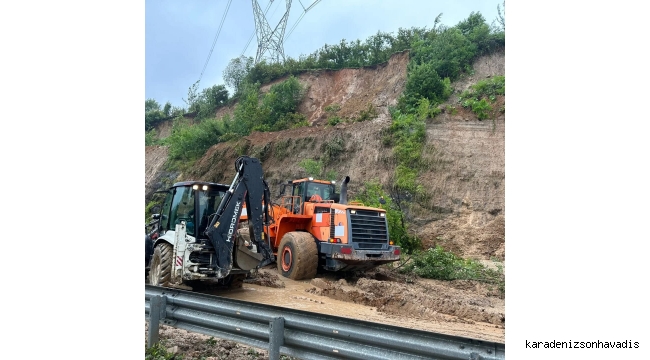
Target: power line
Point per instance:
(223, 18)
(300, 18)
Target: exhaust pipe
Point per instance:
(344, 191)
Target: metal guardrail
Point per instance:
(303, 334)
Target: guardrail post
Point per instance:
(276, 337)
(156, 308)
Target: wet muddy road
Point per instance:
(460, 308)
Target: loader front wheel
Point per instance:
(298, 256)
(160, 273)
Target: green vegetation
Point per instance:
(205, 103)
(477, 97)
(332, 108)
(334, 119)
(159, 352)
(154, 114)
(315, 168)
(370, 195)
(367, 114)
(151, 138)
(211, 341)
(332, 149)
(438, 56)
(189, 142)
(312, 167)
(437, 263)
(274, 111)
(447, 51)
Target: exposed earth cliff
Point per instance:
(466, 157)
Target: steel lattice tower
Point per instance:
(270, 43)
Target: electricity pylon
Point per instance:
(270, 42)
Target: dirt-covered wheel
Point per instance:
(160, 273)
(235, 281)
(298, 256)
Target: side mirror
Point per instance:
(382, 201)
(155, 216)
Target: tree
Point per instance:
(211, 99)
(152, 114)
(501, 17)
(192, 97)
(151, 105)
(424, 82)
(167, 109)
(236, 72)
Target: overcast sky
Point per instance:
(179, 34)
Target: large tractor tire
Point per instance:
(235, 281)
(298, 256)
(160, 273)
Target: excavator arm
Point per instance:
(249, 186)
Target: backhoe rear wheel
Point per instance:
(160, 273)
(235, 281)
(298, 256)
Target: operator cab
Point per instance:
(303, 190)
(193, 202)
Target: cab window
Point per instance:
(208, 204)
(183, 208)
(164, 213)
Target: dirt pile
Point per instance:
(382, 295)
(429, 300)
(265, 279)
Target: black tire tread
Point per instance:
(305, 255)
(164, 252)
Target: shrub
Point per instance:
(479, 94)
(332, 149)
(188, 142)
(334, 120)
(437, 263)
(312, 167)
(370, 195)
(151, 138)
(332, 108)
(367, 114)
